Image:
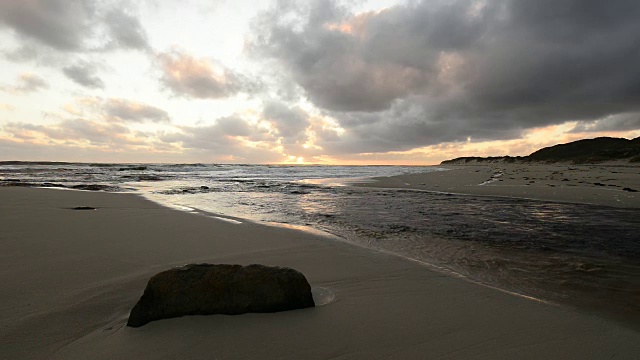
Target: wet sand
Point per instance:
(603, 184)
(69, 278)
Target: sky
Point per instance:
(317, 81)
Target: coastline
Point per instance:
(72, 276)
(616, 185)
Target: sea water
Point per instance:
(584, 256)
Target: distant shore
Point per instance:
(600, 184)
(70, 278)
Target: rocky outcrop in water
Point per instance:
(206, 289)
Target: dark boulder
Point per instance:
(206, 289)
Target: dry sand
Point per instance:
(69, 278)
(602, 184)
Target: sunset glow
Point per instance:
(380, 82)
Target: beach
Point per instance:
(70, 277)
(608, 184)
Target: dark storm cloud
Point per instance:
(84, 74)
(434, 71)
(71, 26)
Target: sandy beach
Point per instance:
(69, 279)
(601, 184)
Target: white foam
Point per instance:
(227, 220)
(322, 296)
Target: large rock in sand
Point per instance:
(205, 289)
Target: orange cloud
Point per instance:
(7, 107)
(530, 141)
(26, 83)
(356, 25)
(199, 78)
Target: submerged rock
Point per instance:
(206, 289)
(83, 208)
(94, 187)
(133, 168)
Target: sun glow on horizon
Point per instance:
(368, 82)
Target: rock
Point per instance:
(206, 289)
(49, 184)
(95, 187)
(133, 168)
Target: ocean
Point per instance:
(578, 255)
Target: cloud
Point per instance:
(617, 122)
(130, 111)
(229, 139)
(126, 31)
(79, 139)
(84, 74)
(72, 130)
(71, 26)
(26, 83)
(7, 107)
(61, 24)
(14, 149)
(188, 76)
(114, 110)
(100, 126)
(427, 72)
(225, 132)
(290, 122)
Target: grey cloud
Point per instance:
(198, 78)
(103, 131)
(126, 31)
(26, 83)
(84, 74)
(290, 122)
(126, 110)
(34, 151)
(71, 26)
(365, 62)
(618, 122)
(427, 72)
(89, 130)
(227, 137)
(219, 142)
(61, 24)
(233, 126)
(74, 130)
(217, 136)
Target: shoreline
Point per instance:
(600, 184)
(72, 276)
(330, 236)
